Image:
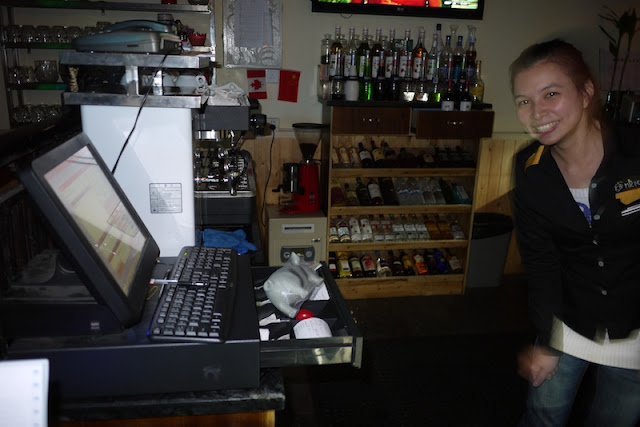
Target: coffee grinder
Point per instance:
(302, 179)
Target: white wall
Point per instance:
(508, 27)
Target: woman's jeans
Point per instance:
(616, 401)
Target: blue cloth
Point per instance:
(227, 239)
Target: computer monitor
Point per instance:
(95, 224)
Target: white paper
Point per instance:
(313, 327)
(24, 388)
(249, 23)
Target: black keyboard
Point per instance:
(199, 304)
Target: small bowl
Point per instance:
(197, 39)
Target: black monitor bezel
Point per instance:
(127, 308)
(392, 10)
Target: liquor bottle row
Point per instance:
(392, 228)
(398, 191)
(384, 156)
(343, 265)
(385, 68)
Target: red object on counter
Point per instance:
(169, 1)
(304, 314)
(197, 39)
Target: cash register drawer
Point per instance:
(344, 347)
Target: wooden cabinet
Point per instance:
(405, 126)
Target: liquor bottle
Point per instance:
(354, 157)
(427, 194)
(364, 67)
(448, 99)
(406, 159)
(442, 157)
(343, 156)
(430, 261)
(418, 57)
(337, 195)
(368, 265)
(441, 262)
(333, 267)
(382, 266)
(477, 84)
(397, 269)
(460, 194)
(466, 99)
(362, 192)
(356, 266)
(336, 57)
(409, 269)
(421, 228)
(398, 229)
(385, 225)
(335, 158)
(440, 42)
(445, 70)
(458, 60)
(426, 158)
(402, 191)
(391, 56)
(351, 55)
(404, 56)
(324, 87)
(343, 230)
(365, 228)
(447, 192)
(470, 56)
(432, 60)
(333, 231)
(377, 56)
(454, 158)
(434, 185)
(325, 51)
(456, 228)
(389, 155)
(366, 159)
(454, 263)
(378, 232)
(466, 158)
(379, 159)
(344, 268)
(444, 227)
(409, 228)
(350, 197)
(415, 194)
(389, 195)
(432, 227)
(354, 229)
(374, 192)
(418, 263)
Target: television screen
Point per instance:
(455, 9)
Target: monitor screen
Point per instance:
(456, 9)
(94, 223)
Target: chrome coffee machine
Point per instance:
(225, 189)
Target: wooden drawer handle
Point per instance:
(455, 123)
(371, 120)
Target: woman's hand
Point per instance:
(537, 364)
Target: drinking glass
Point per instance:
(46, 71)
(43, 34)
(60, 34)
(73, 32)
(14, 34)
(29, 34)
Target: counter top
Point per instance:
(269, 396)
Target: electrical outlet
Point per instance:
(274, 121)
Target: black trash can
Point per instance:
(489, 246)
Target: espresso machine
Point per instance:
(302, 180)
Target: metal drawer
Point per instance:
(345, 346)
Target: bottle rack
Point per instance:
(402, 125)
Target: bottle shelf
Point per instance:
(397, 245)
(38, 45)
(383, 172)
(104, 5)
(399, 209)
(401, 286)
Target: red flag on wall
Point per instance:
(289, 81)
(257, 83)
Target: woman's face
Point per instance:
(548, 103)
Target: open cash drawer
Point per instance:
(345, 346)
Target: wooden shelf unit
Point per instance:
(412, 128)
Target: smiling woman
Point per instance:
(580, 247)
